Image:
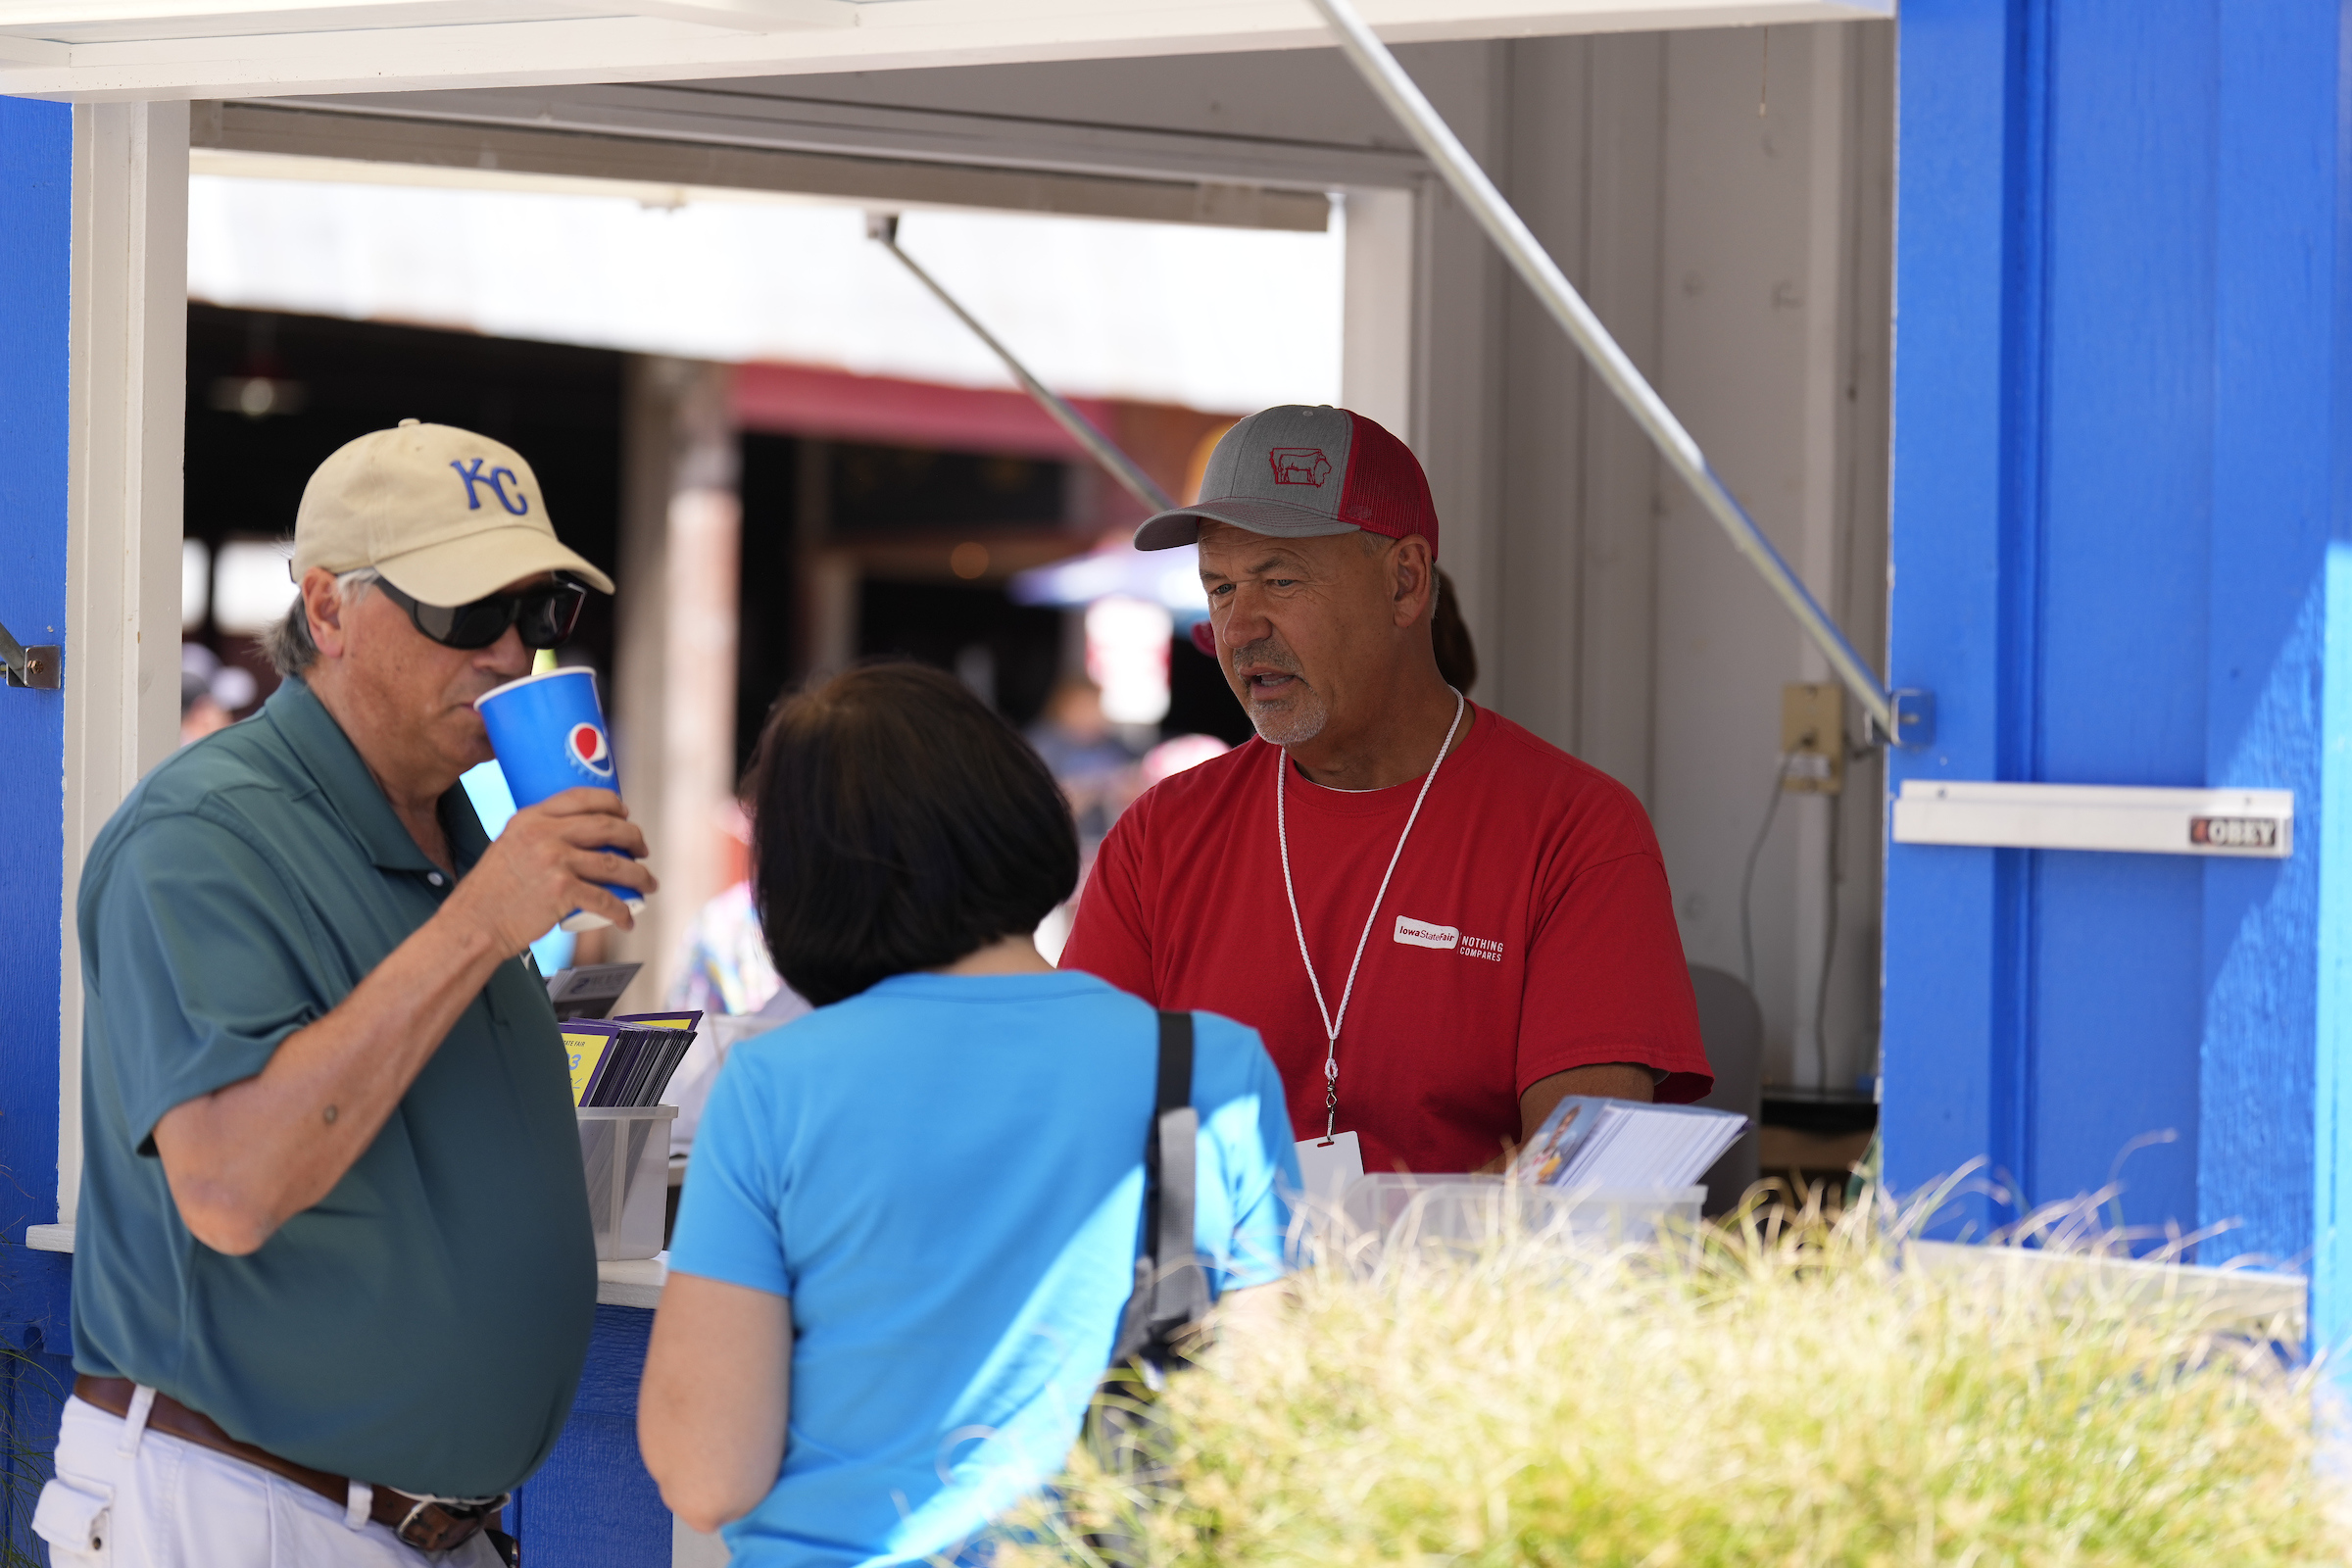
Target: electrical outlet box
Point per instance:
(1813, 738)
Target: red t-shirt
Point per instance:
(1527, 930)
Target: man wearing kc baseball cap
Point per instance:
(327, 1104)
(1439, 925)
(443, 513)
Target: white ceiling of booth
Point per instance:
(97, 49)
(1212, 317)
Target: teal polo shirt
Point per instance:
(424, 1325)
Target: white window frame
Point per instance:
(130, 272)
(129, 354)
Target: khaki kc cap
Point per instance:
(448, 516)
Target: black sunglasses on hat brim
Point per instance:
(544, 615)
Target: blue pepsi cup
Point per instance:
(550, 736)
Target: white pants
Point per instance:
(127, 1497)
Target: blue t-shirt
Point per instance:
(945, 1175)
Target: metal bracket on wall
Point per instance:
(42, 665)
(1914, 721)
(1901, 718)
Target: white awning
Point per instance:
(130, 49)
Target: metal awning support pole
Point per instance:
(1907, 717)
(884, 227)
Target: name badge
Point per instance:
(1325, 1169)
(1427, 934)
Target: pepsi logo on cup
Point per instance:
(587, 749)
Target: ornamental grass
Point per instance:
(1786, 1390)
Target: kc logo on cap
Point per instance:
(587, 749)
(497, 480)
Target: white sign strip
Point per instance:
(2256, 824)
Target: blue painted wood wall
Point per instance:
(36, 164)
(2119, 521)
(36, 198)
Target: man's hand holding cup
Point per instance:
(562, 858)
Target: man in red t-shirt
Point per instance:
(1439, 924)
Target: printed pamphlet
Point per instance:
(1592, 1143)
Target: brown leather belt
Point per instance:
(421, 1522)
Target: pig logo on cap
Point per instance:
(588, 749)
(1300, 466)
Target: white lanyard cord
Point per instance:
(1282, 833)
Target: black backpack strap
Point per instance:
(1171, 1292)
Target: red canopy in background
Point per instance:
(1170, 441)
(834, 404)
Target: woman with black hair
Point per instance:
(911, 1223)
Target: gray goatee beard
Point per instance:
(1301, 716)
(1299, 720)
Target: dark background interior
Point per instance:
(560, 407)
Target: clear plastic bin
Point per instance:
(1404, 1209)
(626, 1150)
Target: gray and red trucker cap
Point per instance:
(1296, 472)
